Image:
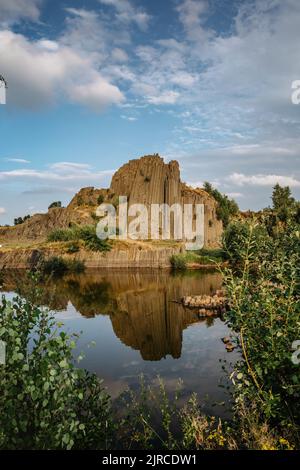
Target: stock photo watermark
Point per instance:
(2, 353)
(295, 96)
(181, 222)
(296, 354)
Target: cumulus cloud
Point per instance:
(2, 210)
(39, 75)
(12, 11)
(263, 180)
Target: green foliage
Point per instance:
(227, 208)
(87, 233)
(55, 204)
(235, 235)
(283, 202)
(264, 313)
(62, 235)
(57, 266)
(73, 247)
(201, 257)
(153, 420)
(178, 262)
(92, 242)
(100, 199)
(21, 220)
(115, 201)
(45, 401)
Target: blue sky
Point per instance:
(95, 83)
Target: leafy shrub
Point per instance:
(92, 242)
(62, 235)
(100, 199)
(55, 204)
(21, 220)
(45, 401)
(227, 208)
(264, 313)
(242, 239)
(57, 266)
(86, 233)
(178, 262)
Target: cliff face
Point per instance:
(147, 180)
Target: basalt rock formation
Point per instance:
(147, 180)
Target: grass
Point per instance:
(201, 257)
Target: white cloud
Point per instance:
(127, 13)
(192, 14)
(263, 180)
(40, 76)
(97, 94)
(12, 11)
(79, 173)
(166, 97)
(17, 160)
(48, 45)
(235, 195)
(128, 118)
(2, 210)
(119, 55)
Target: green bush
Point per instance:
(242, 239)
(100, 199)
(178, 262)
(87, 233)
(57, 266)
(55, 204)
(92, 242)
(45, 401)
(62, 235)
(264, 313)
(227, 208)
(21, 220)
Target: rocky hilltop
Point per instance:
(147, 180)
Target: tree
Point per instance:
(226, 207)
(283, 202)
(21, 220)
(55, 204)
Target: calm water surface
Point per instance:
(139, 329)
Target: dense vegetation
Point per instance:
(202, 257)
(55, 204)
(86, 233)
(21, 220)
(67, 408)
(58, 267)
(46, 402)
(227, 207)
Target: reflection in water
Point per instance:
(141, 310)
(143, 307)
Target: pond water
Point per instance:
(139, 328)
